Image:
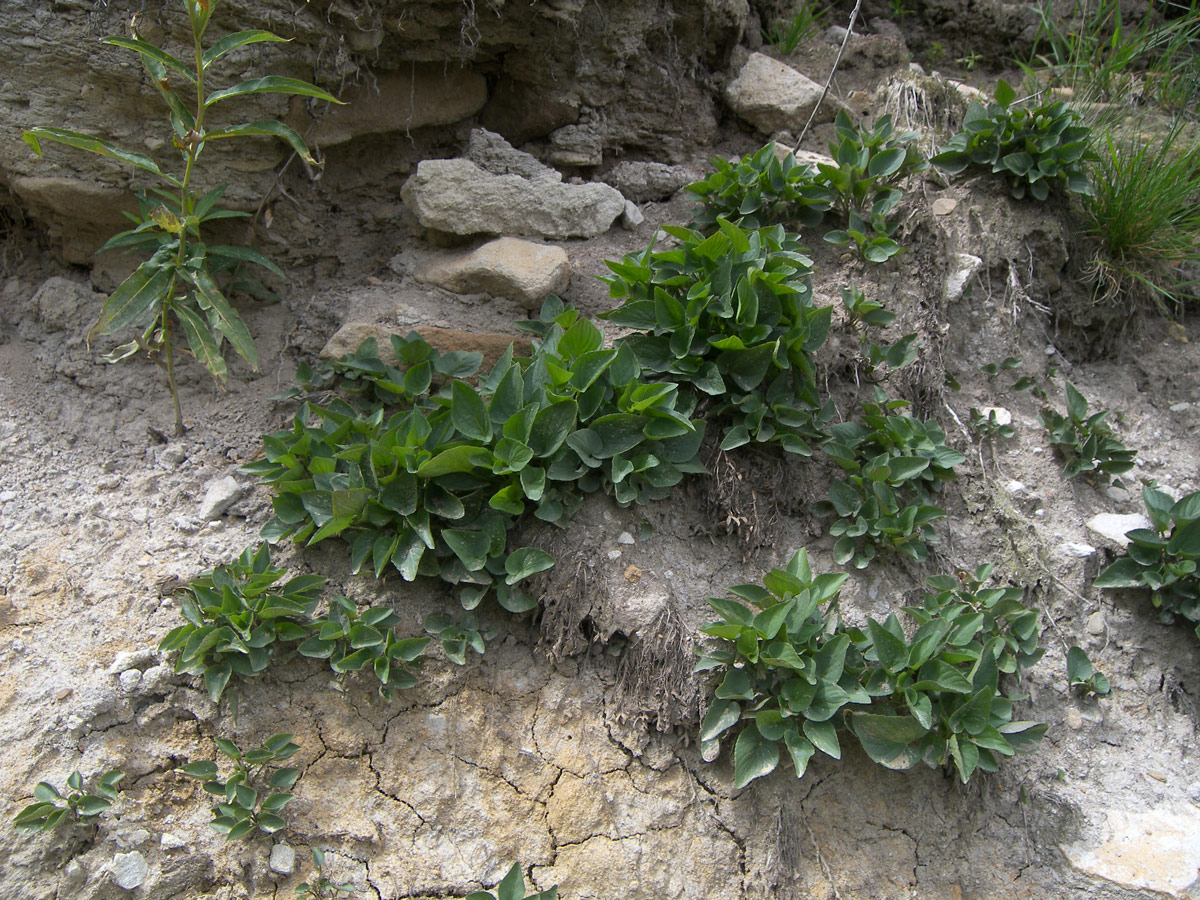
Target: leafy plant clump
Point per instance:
(796, 677)
(174, 296)
(239, 615)
(894, 465)
(760, 190)
(730, 316)
(1164, 557)
(247, 802)
(512, 887)
(1039, 148)
(79, 805)
(1086, 443)
(320, 887)
(869, 164)
(1083, 676)
(431, 480)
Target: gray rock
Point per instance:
(283, 859)
(575, 145)
(1077, 550)
(1095, 623)
(632, 217)
(642, 182)
(221, 494)
(457, 196)
(1114, 526)
(506, 267)
(172, 841)
(774, 97)
(495, 155)
(963, 267)
(130, 659)
(129, 679)
(129, 870)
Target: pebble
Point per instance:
(1015, 487)
(1080, 551)
(625, 538)
(5, 496)
(1157, 775)
(219, 496)
(1095, 623)
(1193, 792)
(130, 659)
(283, 859)
(171, 456)
(140, 515)
(614, 554)
(1180, 407)
(1074, 719)
(632, 217)
(130, 679)
(1114, 527)
(129, 870)
(172, 842)
(1002, 416)
(943, 206)
(1040, 513)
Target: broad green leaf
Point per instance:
(134, 298)
(753, 757)
(888, 739)
(800, 749)
(721, 716)
(891, 650)
(271, 84)
(455, 460)
(1079, 667)
(513, 885)
(823, 736)
(469, 413)
(200, 340)
(469, 546)
(228, 322)
(526, 561)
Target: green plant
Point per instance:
(988, 426)
(1086, 443)
(1081, 674)
(898, 10)
(247, 802)
(760, 190)
(1040, 148)
(894, 465)
(236, 616)
(795, 675)
(457, 635)
(432, 481)
(321, 888)
(868, 164)
(175, 289)
(1164, 557)
(731, 317)
(786, 34)
(52, 809)
(512, 887)
(352, 641)
(1145, 219)
(864, 313)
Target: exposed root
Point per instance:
(571, 593)
(655, 680)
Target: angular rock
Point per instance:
(129, 870)
(457, 196)
(427, 94)
(632, 217)
(347, 338)
(506, 267)
(575, 145)
(1114, 526)
(220, 495)
(492, 153)
(1157, 850)
(774, 97)
(283, 859)
(963, 267)
(642, 182)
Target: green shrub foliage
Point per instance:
(249, 799)
(1163, 557)
(1039, 148)
(52, 809)
(1086, 442)
(795, 678)
(759, 190)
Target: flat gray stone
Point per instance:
(456, 196)
(220, 495)
(1114, 526)
(495, 155)
(129, 870)
(283, 859)
(643, 182)
(632, 217)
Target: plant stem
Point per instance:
(166, 327)
(832, 72)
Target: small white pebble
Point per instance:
(625, 538)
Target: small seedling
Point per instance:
(1083, 676)
(246, 802)
(1086, 443)
(321, 888)
(989, 426)
(513, 888)
(78, 806)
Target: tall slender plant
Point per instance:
(176, 287)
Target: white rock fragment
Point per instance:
(1015, 487)
(1156, 849)
(1001, 415)
(129, 679)
(129, 870)
(1114, 526)
(632, 217)
(963, 267)
(1180, 407)
(1095, 623)
(774, 97)
(1077, 550)
(283, 859)
(5, 496)
(220, 495)
(130, 659)
(943, 206)
(625, 538)
(171, 841)
(614, 554)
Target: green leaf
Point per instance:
(888, 739)
(891, 650)
(457, 459)
(271, 84)
(753, 757)
(526, 561)
(134, 298)
(228, 322)
(1079, 667)
(469, 546)
(721, 716)
(146, 49)
(268, 128)
(469, 413)
(823, 736)
(34, 136)
(513, 885)
(200, 340)
(1005, 94)
(232, 42)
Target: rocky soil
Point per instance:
(570, 745)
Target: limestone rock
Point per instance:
(347, 338)
(494, 154)
(283, 859)
(1114, 526)
(457, 196)
(575, 145)
(774, 97)
(645, 181)
(423, 95)
(221, 494)
(1157, 850)
(963, 267)
(129, 870)
(506, 267)
(632, 217)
